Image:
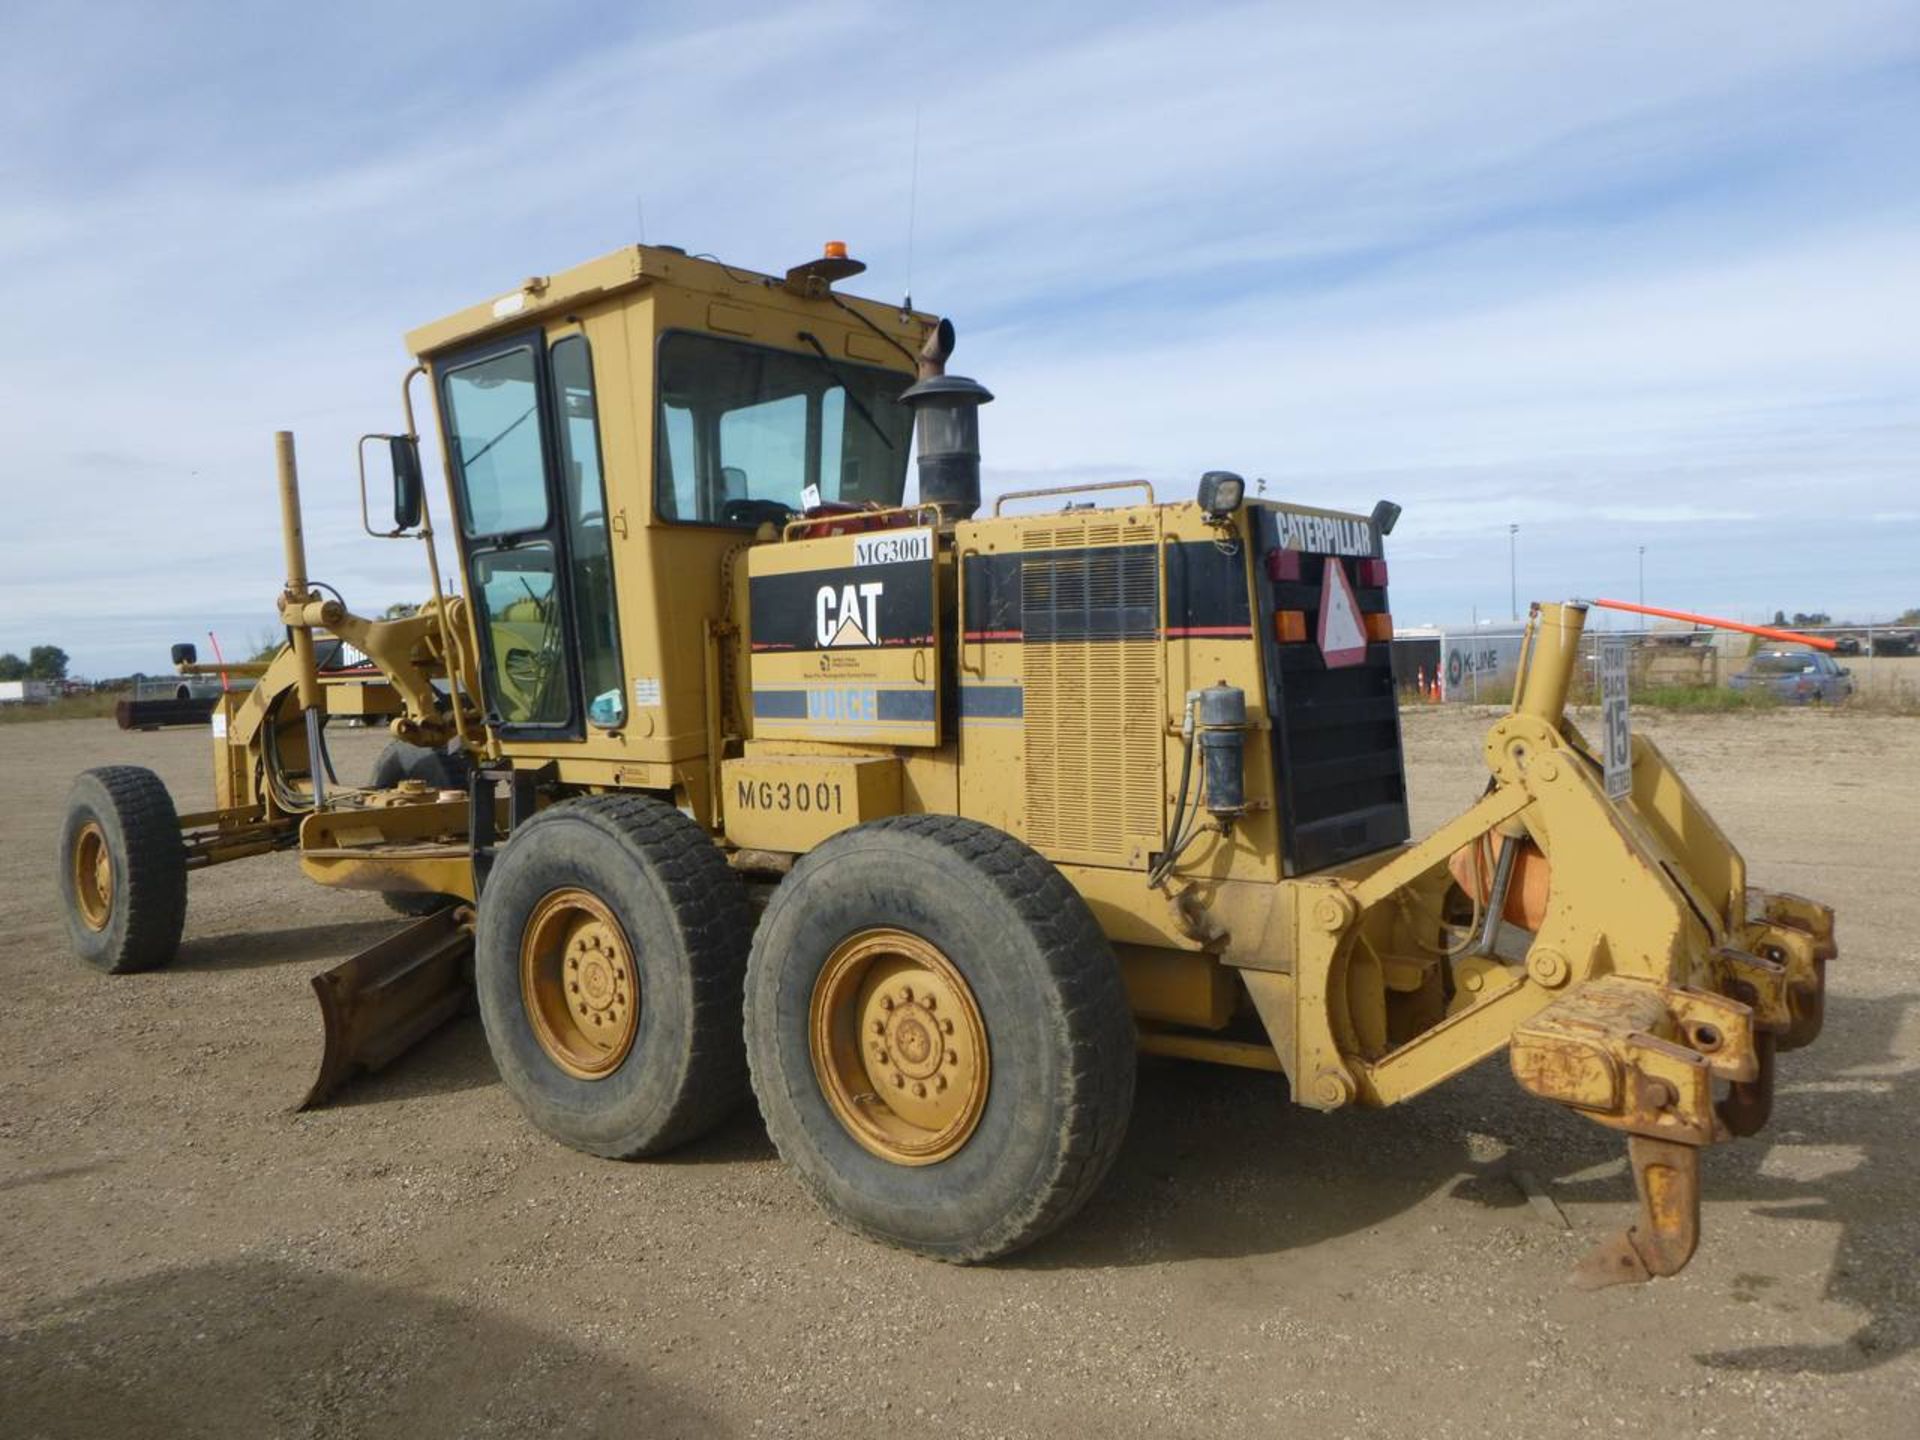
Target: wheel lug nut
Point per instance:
(886, 1002)
(953, 1057)
(919, 1090)
(899, 1080)
(946, 1027)
(939, 1082)
(927, 1002)
(906, 994)
(879, 1027)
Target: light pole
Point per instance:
(1513, 571)
(1643, 574)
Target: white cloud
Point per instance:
(1621, 276)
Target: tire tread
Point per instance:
(706, 897)
(1098, 1083)
(155, 863)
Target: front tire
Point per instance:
(123, 870)
(609, 953)
(923, 926)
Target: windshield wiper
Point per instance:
(466, 460)
(841, 381)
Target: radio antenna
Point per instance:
(913, 201)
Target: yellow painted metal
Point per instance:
(1177, 986)
(579, 983)
(1553, 650)
(297, 593)
(1209, 1049)
(747, 304)
(92, 863)
(899, 1046)
(853, 689)
(1090, 744)
(362, 699)
(677, 585)
(419, 847)
(793, 803)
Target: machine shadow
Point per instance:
(303, 945)
(1873, 1269)
(1219, 1164)
(1870, 1203)
(454, 1058)
(259, 1348)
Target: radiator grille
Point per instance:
(1093, 713)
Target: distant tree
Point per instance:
(399, 610)
(266, 645)
(1818, 617)
(1779, 617)
(12, 667)
(47, 662)
(1908, 617)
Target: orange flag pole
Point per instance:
(1766, 632)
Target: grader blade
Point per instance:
(390, 996)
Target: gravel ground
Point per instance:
(180, 1256)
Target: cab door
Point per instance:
(523, 442)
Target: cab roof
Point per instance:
(628, 269)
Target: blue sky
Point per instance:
(1622, 274)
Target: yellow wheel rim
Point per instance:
(93, 876)
(579, 984)
(898, 1046)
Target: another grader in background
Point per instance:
(729, 765)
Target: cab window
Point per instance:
(590, 550)
(493, 408)
(748, 434)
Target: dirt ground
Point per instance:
(181, 1256)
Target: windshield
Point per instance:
(1782, 664)
(746, 431)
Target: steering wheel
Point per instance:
(755, 512)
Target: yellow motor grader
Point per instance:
(731, 766)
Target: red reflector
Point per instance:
(1289, 626)
(1374, 573)
(1283, 565)
(1379, 625)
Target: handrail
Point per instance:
(1074, 490)
(926, 513)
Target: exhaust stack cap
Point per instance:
(946, 427)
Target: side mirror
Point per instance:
(185, 655)
(405, 453)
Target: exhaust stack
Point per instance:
(946, 430)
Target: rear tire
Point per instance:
(439, 770)
(123, 870)
(638, 877)
(956, 899)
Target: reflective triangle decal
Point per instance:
(1343, 640)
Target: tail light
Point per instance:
(1378, 625)
(1283, 566)
(1373, 573)
(1289, 626)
